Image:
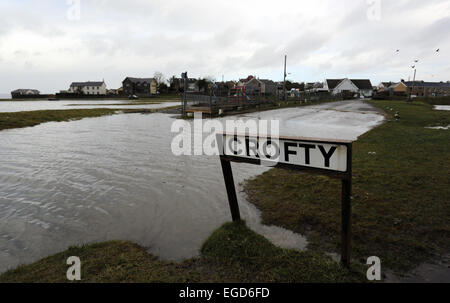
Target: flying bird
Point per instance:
(397, 51)
(437, 51)
(416, 61)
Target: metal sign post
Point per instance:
(332, 158)
(184, 77)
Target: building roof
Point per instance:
(362, 83)
(88, 83)
(332, 83)
(387, 84)
(249, 78)
(267, 81)
(359, 83)
(393, 85)
(140, 80)
(427, 84)
(26, 90)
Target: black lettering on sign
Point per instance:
(307, 148)
(274, 145)
(231, 143)
(288, 152)
(253, 148)
(327, 155)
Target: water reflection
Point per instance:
(19, 106)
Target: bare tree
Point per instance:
(159, 77)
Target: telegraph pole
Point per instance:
(284, 81)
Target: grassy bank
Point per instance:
(401, 194)
(33, 118)
(233, 253)
(434, 100)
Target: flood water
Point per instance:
(115, 177)
(19, 106)
(442, 107)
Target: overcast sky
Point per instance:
(47, 44)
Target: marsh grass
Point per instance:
(401, 192)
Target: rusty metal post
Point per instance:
(231, 190)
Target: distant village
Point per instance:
(251, 85)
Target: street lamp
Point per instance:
(414, 79)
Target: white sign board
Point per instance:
(321, 154)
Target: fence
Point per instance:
(212, 105)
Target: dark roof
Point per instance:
(359, 83)
(362, 83)
(139, 80)
(88, 83)
(249, 78)
(267, 81)
(25, 90)
(332, 83)
(427, 84)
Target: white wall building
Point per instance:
(337, 86)
(88, 88)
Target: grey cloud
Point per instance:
(215, 37)
(433, 35)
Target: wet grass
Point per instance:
(401, 192)
(33, 118)
(233, 253)
(434, 100)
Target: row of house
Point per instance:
(130, 86)
(250, 86)
(254, 86)
(415, 88)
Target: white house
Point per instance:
(88, 88)
(361, 86)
